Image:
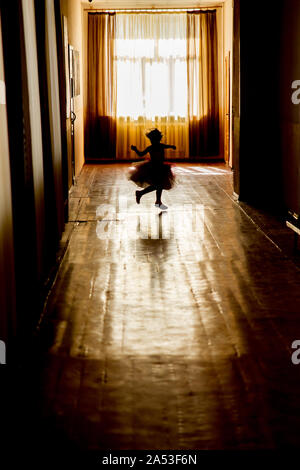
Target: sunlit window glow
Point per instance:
(151, 78)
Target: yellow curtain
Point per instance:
(202, 71)
(100, 125)
(150, 70)
(151, 80)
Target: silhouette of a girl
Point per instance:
(154, 174)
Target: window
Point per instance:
(152, 73)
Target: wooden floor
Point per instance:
(168, 330)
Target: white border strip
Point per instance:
(2, 92)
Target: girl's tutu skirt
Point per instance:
(147, 173)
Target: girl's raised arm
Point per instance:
(140, 154)
(166, 146)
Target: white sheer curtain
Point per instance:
(151, 64)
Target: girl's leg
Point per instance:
(158, 195)
(139, 194)
(158, 202)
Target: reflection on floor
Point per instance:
(168, 330)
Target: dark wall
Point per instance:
(269, 158)
(7, 271)
(260, 148)
(21, 172)
(290, 113)
(36, 232)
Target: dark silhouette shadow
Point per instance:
(155, 173)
